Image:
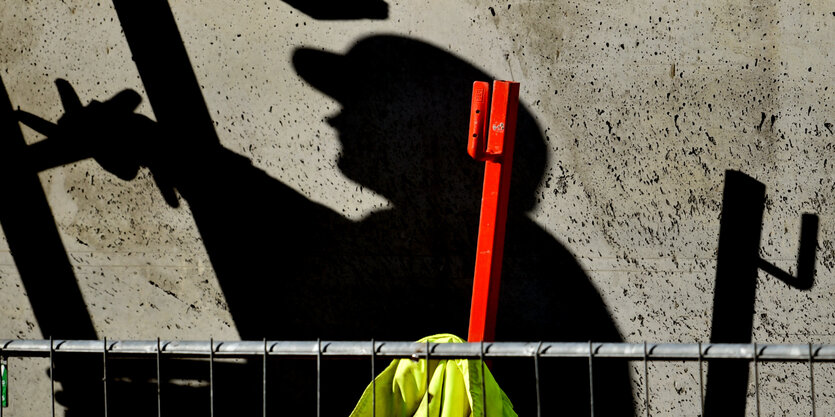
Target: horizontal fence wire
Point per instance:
(313, 349)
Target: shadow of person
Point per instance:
(291, 269)
(402, 128)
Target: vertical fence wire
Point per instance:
(646, 380)
(211, 377)
(591, 379)
(319, 378)
(3, 367)
(536, 377)
(373, 380)
(52, 373)
(483, 390)
(701, 379)
(104, 374)
(264, 382)
(757, 378)
(159, 382)
(426, 393)
(812, 378)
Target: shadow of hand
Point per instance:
(110, 132)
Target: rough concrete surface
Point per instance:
(638, 109)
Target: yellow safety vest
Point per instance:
(454, 389)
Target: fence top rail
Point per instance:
(238, 349)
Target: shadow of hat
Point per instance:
(385, 65)
(423, 89)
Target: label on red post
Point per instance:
(498, 117)
(479, 112)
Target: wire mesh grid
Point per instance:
(656, 367)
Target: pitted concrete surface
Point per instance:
(643, 106)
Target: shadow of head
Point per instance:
(403, 124)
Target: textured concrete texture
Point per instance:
(355, 195)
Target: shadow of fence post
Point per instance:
(737, 265)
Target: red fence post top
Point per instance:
(491, 139)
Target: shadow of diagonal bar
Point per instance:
(33, 238)
(170, 83)
(165, 68)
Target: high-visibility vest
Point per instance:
(454, 389)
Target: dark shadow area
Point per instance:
(737, 264)
(184, 391)
(291, 269)
(342, 9)
(39, 254)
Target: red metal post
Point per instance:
(497, 152)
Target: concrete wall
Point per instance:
(356, 189)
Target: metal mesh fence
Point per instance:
(648, 359)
